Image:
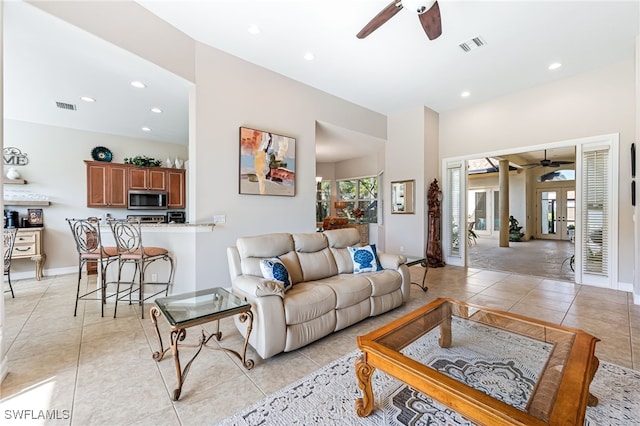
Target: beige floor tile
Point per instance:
(492, 302)
(102, 368)
(502, 293)
(534, 299)
(537, 312)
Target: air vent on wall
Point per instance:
(473, 43)
(64, 105)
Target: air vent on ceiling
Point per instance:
(64, 105)
(473, 43)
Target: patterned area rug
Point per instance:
(328, 396)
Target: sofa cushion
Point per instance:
(364, 259)
(253, 249)
(306, 301)
(349, 289)
(342, 238)
(274, 269)
(384, 282)
(316, 260)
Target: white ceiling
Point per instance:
(395, 68)
(47, 60)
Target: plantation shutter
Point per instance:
(595, 212)
(597, 200)
(454, 225)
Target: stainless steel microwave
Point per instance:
(147, 200)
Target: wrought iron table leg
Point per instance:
(424, 277)
(155, 313)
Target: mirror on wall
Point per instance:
(403, 196)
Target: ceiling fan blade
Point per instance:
(382, 17)
(431, 22)
(559, 162)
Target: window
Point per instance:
(362, 194)
(323, 197)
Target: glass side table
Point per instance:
(196, 308)
(422, 261)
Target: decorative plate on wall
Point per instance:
(100, 153)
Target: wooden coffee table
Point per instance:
(561, 393)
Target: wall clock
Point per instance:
(100, 153)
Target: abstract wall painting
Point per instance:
(267, 163)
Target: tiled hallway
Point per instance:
(543, 258)
(99, 371)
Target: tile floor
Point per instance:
(99, 371)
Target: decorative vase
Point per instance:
(13, 173)
(179, 163)
(168, 163)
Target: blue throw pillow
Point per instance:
(365, 259)
(274, 269)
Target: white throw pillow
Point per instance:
(365, 259)
(274, 269)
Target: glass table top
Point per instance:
(414, 260)
(482, 333)
(192, 306)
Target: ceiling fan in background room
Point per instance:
(549, 163)
(428, 12)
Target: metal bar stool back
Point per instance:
(86, 233)
(9, 240)
(128, 236)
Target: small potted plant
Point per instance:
(358, 213)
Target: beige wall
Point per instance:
(56, 169)
(594, 103)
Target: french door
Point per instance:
(556, 213)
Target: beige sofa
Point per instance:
(326, 295)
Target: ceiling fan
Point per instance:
(549, 163)
(428, 12)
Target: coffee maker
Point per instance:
(11, 218)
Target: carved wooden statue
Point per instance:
(434, 246)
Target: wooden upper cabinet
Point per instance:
(106, 185)
(151, 179)
(176, 189)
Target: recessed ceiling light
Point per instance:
(253, 29)
(465, 94)
(309, 56)
(146, 129)
(138, 84)
(87, 99)
(555, 66)
(156, 110)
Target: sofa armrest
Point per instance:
(269, 326)
(391, 261)
(258, 286)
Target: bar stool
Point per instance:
(9, 240)
(128, 236)
(86, 233)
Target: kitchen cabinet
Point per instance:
(176, 189)
(29, 245)
(107, 184)
(148, 178)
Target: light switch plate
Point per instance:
(219, 219)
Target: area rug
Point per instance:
(328, 395)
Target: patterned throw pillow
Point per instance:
(274, 269)
(365, 259)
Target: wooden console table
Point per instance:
(29, 245)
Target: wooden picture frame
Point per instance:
(34, 217)
(267, 163)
